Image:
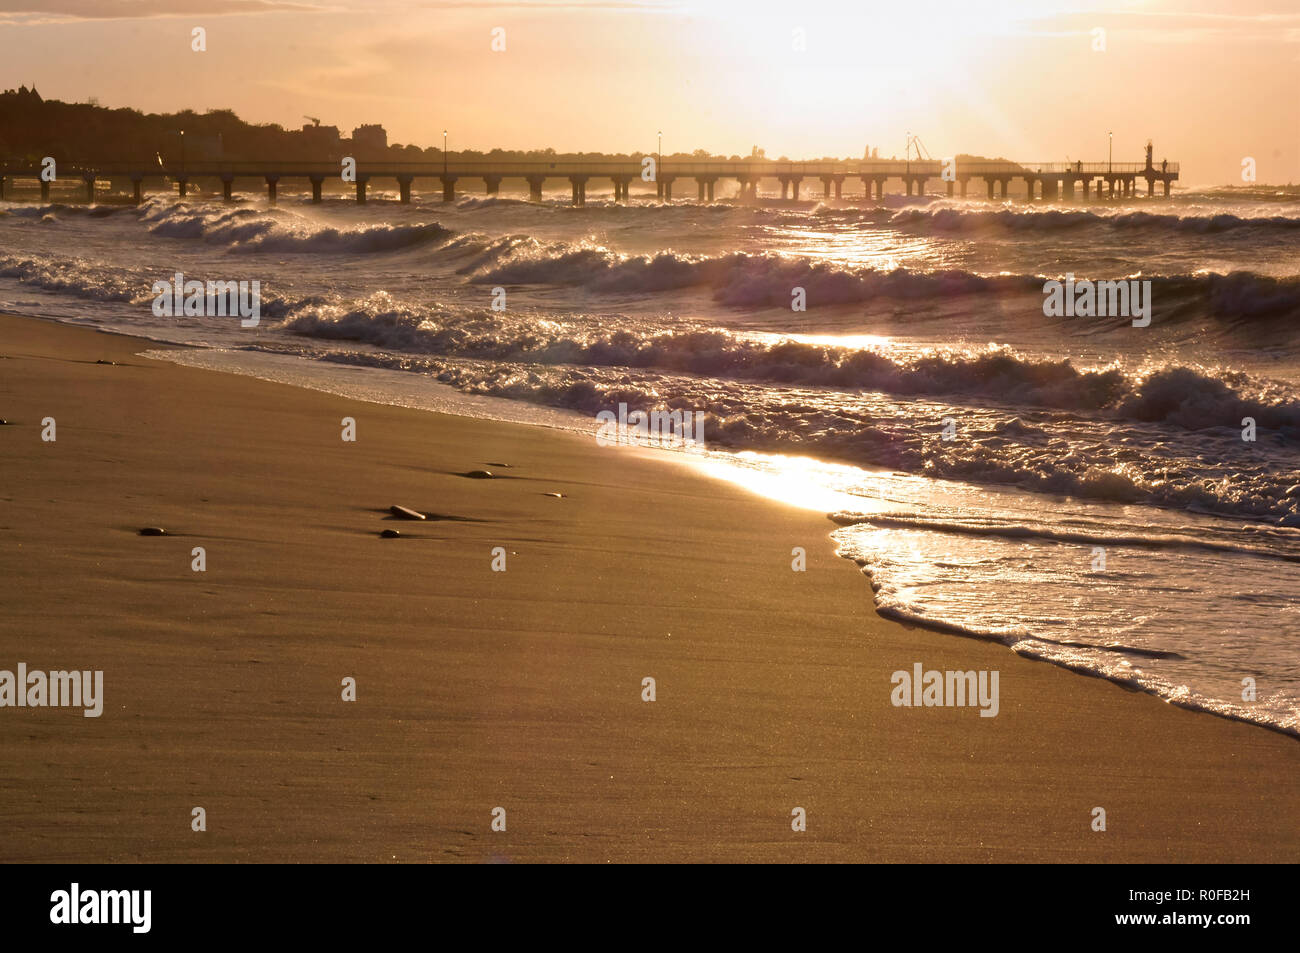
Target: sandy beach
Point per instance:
(522, 689)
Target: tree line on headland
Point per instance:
(32, 127)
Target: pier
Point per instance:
(867, 178)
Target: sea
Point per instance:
(1118, 498)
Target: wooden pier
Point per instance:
(1046, 181)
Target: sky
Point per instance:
(1209, 81)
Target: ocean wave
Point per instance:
(744, 280)
(737, 279)
(73, 277)
(1230, 297)
(949, 219)
(53, 209)
(1274, 546)
(474, 203)
(248, 229)
(1129, 636)
(480, 251)
(1186, 397)
(1191, 398)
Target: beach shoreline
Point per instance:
(523, 688)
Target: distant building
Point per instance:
(321, 139)
(25, 95)
(369, 139)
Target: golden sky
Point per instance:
(1210, 81)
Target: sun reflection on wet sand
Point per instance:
(797, 481)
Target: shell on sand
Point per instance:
(403, 513)
(479, 474)
(153, 531)
(390, 534)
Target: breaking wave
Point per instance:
(248, 229)
(961, 220)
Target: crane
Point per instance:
(314, 120)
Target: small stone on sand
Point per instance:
(390, 534)
(153, 531)
(505, 466)
(479, 474)
(558, 496)
(401, 512)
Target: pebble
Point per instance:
(403, 513)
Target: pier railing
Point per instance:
(569, 167)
